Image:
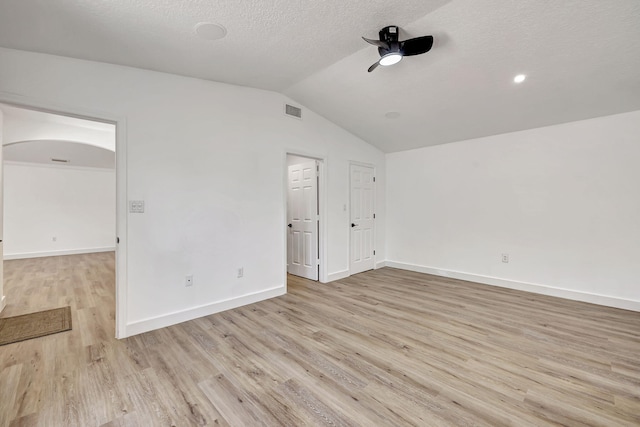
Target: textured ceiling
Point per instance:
(581, 57)
(270, 44)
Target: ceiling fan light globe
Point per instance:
(390, 59)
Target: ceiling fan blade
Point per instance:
(378, 43)
(416, 46)
(373, 67)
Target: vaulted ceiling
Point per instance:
(581, 57)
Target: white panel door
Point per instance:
(302, 215)
(362, 219)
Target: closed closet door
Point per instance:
(302, 214)
(362, 219)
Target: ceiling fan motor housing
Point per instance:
(390, 36)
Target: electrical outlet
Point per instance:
(136, 206)
(188, 281)
(240, 272)
(505, 258)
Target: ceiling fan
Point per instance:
(392, 51)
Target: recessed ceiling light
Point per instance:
(392, 115)
(210, 31)
(519, 78)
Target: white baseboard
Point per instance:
(345, 273)
(3, 303)
(163, 321)
(58, 253)
(523, 286)
(337, 275)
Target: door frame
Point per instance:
(121, 187)
(375, 208)
(322, 209)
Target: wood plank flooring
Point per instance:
(382, 348)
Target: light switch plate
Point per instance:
(136, 206)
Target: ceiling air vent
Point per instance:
(292, 111)
(60, 160)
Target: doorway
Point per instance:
(303, 218)
(76, 155)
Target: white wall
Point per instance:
(208, 160)
(74, 205)
(562, 201)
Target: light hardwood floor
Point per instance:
(386, 347)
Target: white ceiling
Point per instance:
(582, 57)
(44, 151)
(30, 136)
(21, 124)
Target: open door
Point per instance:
(302, 220)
